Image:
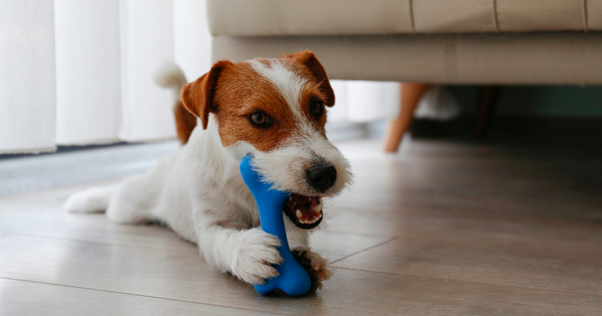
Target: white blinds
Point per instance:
(88, 74)
(147, 39)
(27, 76)
(80, 71)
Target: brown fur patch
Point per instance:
(185, 122)
(311, 62)
(234, 91)
(241, 92)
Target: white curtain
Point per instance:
(27, 76)
(88, 72)
(80, 72)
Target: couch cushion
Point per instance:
(541, 15)
(308, 17)
(594, 14)
(359, 17)
(453, 16)
(516, 58)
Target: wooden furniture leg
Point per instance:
(410, 95)
(489, 96)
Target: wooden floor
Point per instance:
(442, 228)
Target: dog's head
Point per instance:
(275, 109)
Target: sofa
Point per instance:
(420, 42)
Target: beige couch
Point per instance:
(424, 41)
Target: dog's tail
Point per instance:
(170, 76)
(90, 201)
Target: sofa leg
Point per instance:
(489, 96)
(410, 95)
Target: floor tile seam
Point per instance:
(363, 250)
(357, 234)
(94, 242)
(472, 282)
(134, 294)
(61, 186)
(353, 234)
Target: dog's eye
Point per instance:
(316, 109)
(260, 119)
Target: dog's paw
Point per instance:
(256, 254)
(88, 201)
(315, 265)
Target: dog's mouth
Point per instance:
(304, 211)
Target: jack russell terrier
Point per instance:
(273, 109)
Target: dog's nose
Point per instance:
(322, 177)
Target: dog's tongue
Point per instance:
(306, 209)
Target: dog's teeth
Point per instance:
(290, 198)
(317, 208)
(294, 203)
(298, 213)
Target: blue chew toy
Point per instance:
(293, 279)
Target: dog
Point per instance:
(273, 109)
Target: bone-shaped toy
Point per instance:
(293, 278)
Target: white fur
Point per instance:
(91, 200)
(169, 75)
(287, 82)
(305, 150)
(199, 193)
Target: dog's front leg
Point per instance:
(315, 265)
(247, 254)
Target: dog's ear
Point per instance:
(198, 96)
(310, 61)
